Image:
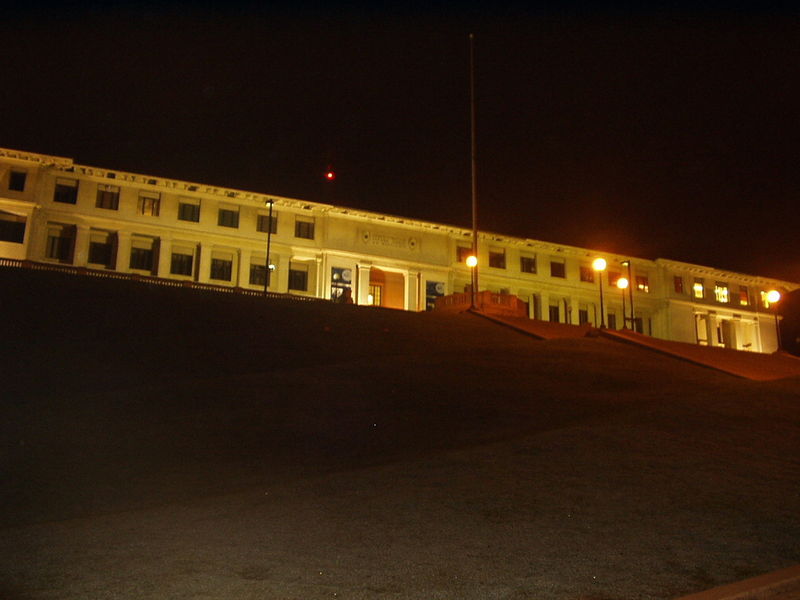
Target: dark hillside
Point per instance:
(523, 468)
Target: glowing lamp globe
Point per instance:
(622, 283)
(773, 296)
(472, 261)
(599, 264)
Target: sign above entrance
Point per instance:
(389, 241)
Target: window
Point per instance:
(554, 313)
(228, 217)
(16, 181)
(497, 258)
(189, 211)
(149, 204)
(527, 264)
(721, 292)
(101, 248)
(66, 191)
(221, 269)
(744, 295)
(298, 277)
(12, 228)
(142, 259)
(583, 316)
(258, 275)
(642, 283)
(266, 224)
(107, 196)
(374, 297)
(433, 290)
(613, 277)
(181, 263)
(698, 289)
(462, 252)
(304, 228)
(59, 243)
(612, 320)
(557, 269)
(587, 274)
(678, 283)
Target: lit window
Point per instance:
(643, 283)
(149, 204)
(744, 295)
(698, 289)
(107, 197)
(721, 292)
(587, 274)
(613, 277)
(374, 296)
(527, 264)
(497, 258)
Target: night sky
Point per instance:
(671, 134)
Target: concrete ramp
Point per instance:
(543, 330)
(751, 365)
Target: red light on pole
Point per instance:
(330, 175)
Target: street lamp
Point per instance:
(599, 265)
(472, 263)
(622, 284)
(627, 263)
(773, 297)
(267, 265)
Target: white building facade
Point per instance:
(55, 211)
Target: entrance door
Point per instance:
(388, 288)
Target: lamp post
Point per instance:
(773, 297)
(268, 270)
(622, 284)
(472, 263)
(473, 171)
(627, 263)
(599, 265)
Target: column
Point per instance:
(319, 278)
(81, 251)
(280, 276)
(363, 284)
(204, 262)
(164, 257)
(244, 267)
(123, 251)
(544, 302)
(711, 329)
(412, 290)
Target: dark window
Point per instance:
(66, 191)
(554, 316)
(304, 229)
(587, 274)
(258, 275)
(557, 269)
(433, 290)
(181, 264)
(265, 224)
(228, 218)
(462, 252)
(189, 212)
(678, 281)
(612, 321)
(12, 228)
(221, 269)
(527, 264)
(142, 259)
(149, 204)
(100, 253)
(59, 246)
(497, 259)
(16, 181)
(583, 316)
(107, 197)
(298, 279)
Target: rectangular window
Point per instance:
(221, 269)
(497, 258)
(107, 196)
(101, 248)
(744, 295)
(12, 228)
(698, 289)
(16, 181)
(587, 274)
(66, 191)
(558, 269)
(142, 259)
(298, 277)
(462, 252)
(721, 292)
(228, 218)
(642, 283)
(527, 264)
(678, 282)
(189, 211)
(583, 316)
(258, 275)
(433, 290)
(612, 320)
(59, 243)
(149, 204)
(181, 263)
(553, 313)
(304, 228)
(613, 277)
(265, 225)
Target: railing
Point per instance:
(487, 301)
(148, 279)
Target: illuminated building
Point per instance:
(55, 211)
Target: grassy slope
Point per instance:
(431, 454)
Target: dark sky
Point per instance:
(671, 133)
